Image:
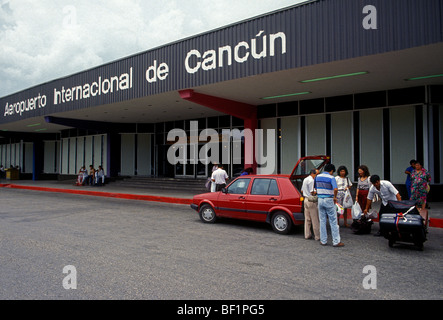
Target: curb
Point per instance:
(433, 222)
(103, 194)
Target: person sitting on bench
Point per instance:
(99, 176)
(82, 175)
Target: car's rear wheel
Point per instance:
(207, 214)
(281, 223)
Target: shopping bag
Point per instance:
(208, 184)
(340, 210)
(213, 186)
(347, 200)
(356, 211)
(372, 214)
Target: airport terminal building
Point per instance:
(359, 80)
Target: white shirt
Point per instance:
(342, 183)
(219, 176)
(387, 192)
(307, 186)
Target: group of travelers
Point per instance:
(93, 177)
(3, 170)
(323, 191)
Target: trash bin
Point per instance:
(12, 174)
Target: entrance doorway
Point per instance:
(191, 169)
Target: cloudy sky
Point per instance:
(47, 39)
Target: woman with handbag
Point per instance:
(343, 184)
(363, 186)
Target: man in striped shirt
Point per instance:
(326, 187)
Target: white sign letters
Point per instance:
(70, 281)
(370, 20)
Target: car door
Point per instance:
(232, 201)
(264, 195)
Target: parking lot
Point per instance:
(126, 249)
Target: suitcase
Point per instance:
(399, 227)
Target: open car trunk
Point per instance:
(304, 166)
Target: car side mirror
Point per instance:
(224, 190)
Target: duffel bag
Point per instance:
(402, 206)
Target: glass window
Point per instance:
(306, 165)
(403, 144)
(371, 141)
(239, 186)
(290, 143)
(342, 141)
(265, 187)
(316, 134)
(273, 188)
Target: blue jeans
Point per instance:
(326, 209)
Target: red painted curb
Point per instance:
(435, 223)
(104, 194)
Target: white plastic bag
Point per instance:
(347, 200)
(356, 211)
(372, 214)
(213, 187)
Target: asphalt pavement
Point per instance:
(132, 250)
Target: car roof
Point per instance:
(265, 176)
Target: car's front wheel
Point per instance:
(207, 214)
(281, 223)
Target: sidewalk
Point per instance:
(148, 194)
(109, 190)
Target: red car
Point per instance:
(275, 199)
